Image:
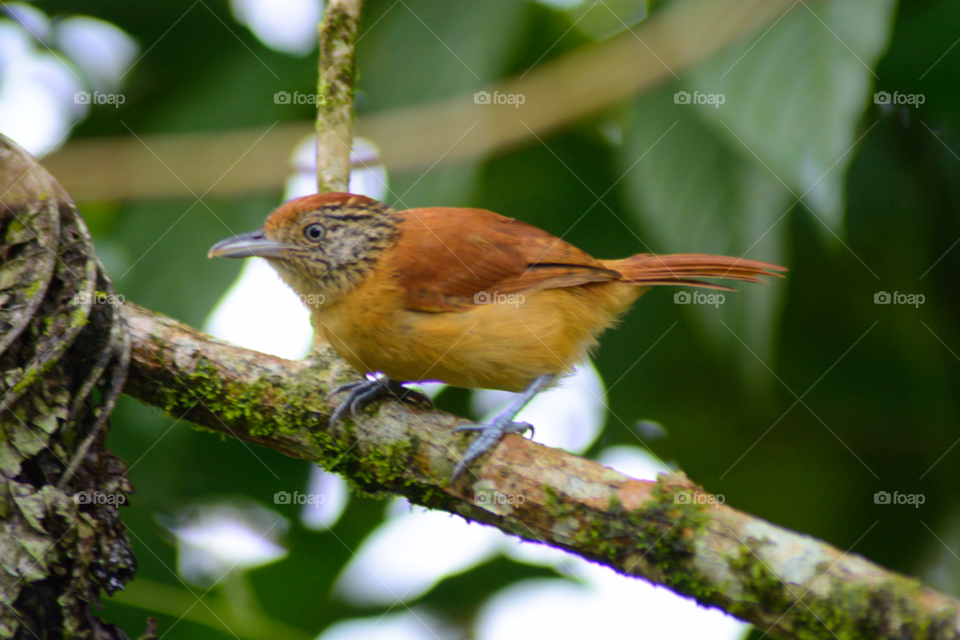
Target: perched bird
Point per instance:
(462, 296)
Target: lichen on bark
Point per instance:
(61, 538)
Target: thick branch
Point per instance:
(793, 585)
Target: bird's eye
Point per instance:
(314, 232)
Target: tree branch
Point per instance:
(335, 116)
(791, 585)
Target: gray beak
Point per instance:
(247, 245)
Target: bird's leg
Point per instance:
(363, 392)
(491, 434)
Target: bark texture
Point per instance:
(62, 337)
(791, 585)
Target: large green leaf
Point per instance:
(795, 94)
(416, 52)
(699, 194)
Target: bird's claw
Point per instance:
(363, 392)
(489, 436)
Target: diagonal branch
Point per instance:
(791, 585)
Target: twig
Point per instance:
(338, 37)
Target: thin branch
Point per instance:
(338, 37)
(791, 585)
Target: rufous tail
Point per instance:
(647, 269)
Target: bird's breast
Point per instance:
(504, 342)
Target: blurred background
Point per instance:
(821, 135)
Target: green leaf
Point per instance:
(698, 194)
(415, 53)
(794, 94)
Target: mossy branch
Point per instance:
(791, 585)
(335, 116)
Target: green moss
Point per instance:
(613, 504)
(667, 530)
(851, 610)
(78, 318)
(293, 404)
(33, 288)
(15, 228)
(555, 507)
(761, 587)
(31, 376)
(243, 403)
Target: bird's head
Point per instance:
(319, 244)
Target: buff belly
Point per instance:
(501, 345)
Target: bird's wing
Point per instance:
(447, 256)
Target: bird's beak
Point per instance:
(247, 245)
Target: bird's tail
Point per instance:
(647, 269)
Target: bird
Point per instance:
(467, 297)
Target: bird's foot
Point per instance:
(363, 392)
(489, 436)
